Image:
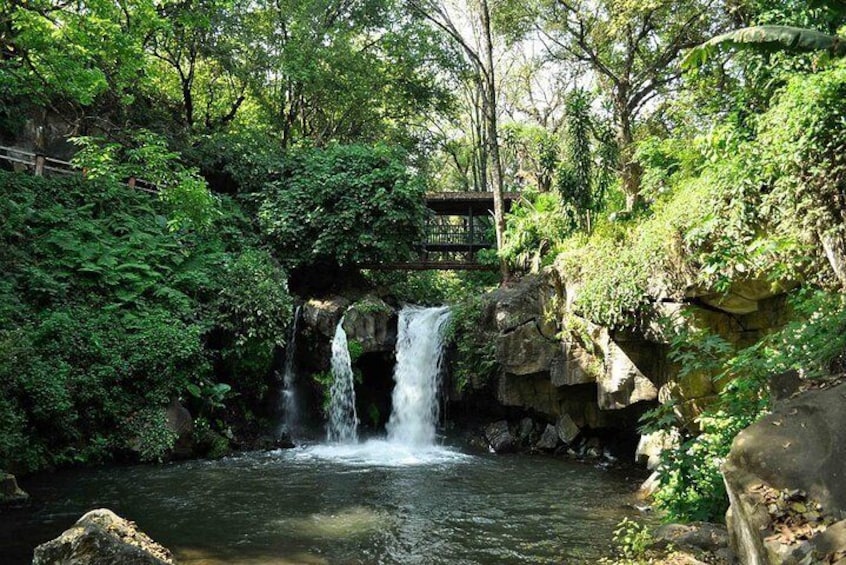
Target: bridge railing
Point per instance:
(449, 234)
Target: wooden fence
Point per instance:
(41, 165)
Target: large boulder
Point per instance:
(651, 445)
(500, 438)
(548, 440)
(371, 323)
(101, 537)
(566, 429)
(702, 536)
(787, 472)
(10, 492)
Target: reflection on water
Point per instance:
(369, 503)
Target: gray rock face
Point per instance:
(528, 391)
(10, 492)
(499, 437)
(372, 323)
(525, 351)
(799, 447)
(101, 537)
(521, 303)
(622, 383)
(573, 365)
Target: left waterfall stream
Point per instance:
(342, 426)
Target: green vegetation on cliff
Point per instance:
(108, 315)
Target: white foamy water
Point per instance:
(419, 352)
(343, 420)
(381, 453)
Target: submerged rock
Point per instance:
(499, 437)
(10, 492)
(101, 537)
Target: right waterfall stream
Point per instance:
(419, 352)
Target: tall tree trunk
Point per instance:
(495, 163)
(629, 169)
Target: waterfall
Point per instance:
(419, 355)
(290, 406)
(343, 420)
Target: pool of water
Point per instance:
(371, 503)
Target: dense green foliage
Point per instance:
(108, 314)
(345, 204)
(475, 356)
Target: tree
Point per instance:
(333, 70)
(201, 59)
(630, 48)
(477, 45)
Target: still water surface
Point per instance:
(369, 504)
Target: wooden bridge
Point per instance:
(459, 225)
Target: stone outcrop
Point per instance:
(650, 446)
(101, 537)
(785, 475)
(554, 363)
(622, 383)
(323, 315)
(587, 373)
(10, 492)
(524, 350)
(372, 323)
